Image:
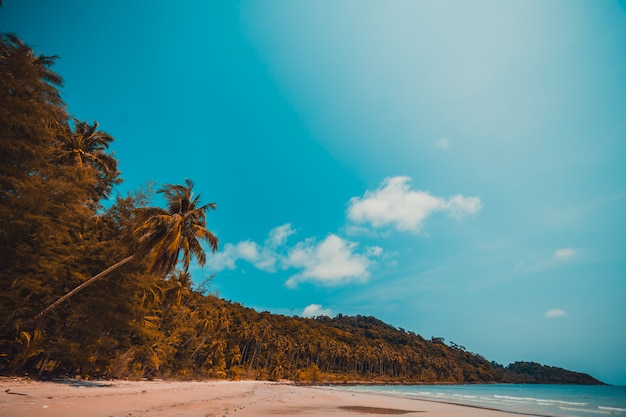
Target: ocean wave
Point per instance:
(586, 410)
(538, 400)
(619, 410)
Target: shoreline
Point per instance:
(21, 397)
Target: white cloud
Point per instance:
(374, 251)
(247, 250)
(224, 259)
(330, 262)
(278, 235)
(262, 257)
(269, 256)
(442, 143)
(395, 204)
(565, 253)
(555, 312)
(459, 206)
(315, 310)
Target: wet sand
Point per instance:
(74, 398)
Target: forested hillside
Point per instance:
(144, 318)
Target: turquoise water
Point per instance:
(543, 400)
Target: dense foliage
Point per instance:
(145, 319)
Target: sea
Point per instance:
(537, 400)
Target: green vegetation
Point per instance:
(141, 317)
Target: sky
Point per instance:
(452, 168)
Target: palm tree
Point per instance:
(179, 285)
(31, 109)
(22, 64)
(86, 146)
(163, 235)
(166, 233)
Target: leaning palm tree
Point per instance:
(168, 232)
(163, 236)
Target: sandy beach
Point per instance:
(73, 398)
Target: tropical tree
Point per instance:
(178, 285)
(41, 203)
(30, 110)
(86, 146)
(168, 232)
(163, 236)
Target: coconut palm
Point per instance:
(167, 232)
(21, 63)
(163, 236)
(178, 286)
(86, 146)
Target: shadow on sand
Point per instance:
(78, 383)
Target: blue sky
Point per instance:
(453, 168)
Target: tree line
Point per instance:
(104, 290)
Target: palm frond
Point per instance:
(165, 234)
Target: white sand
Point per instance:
(72, 398)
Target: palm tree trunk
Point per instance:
(90, 281)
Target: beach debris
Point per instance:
(8, 391)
